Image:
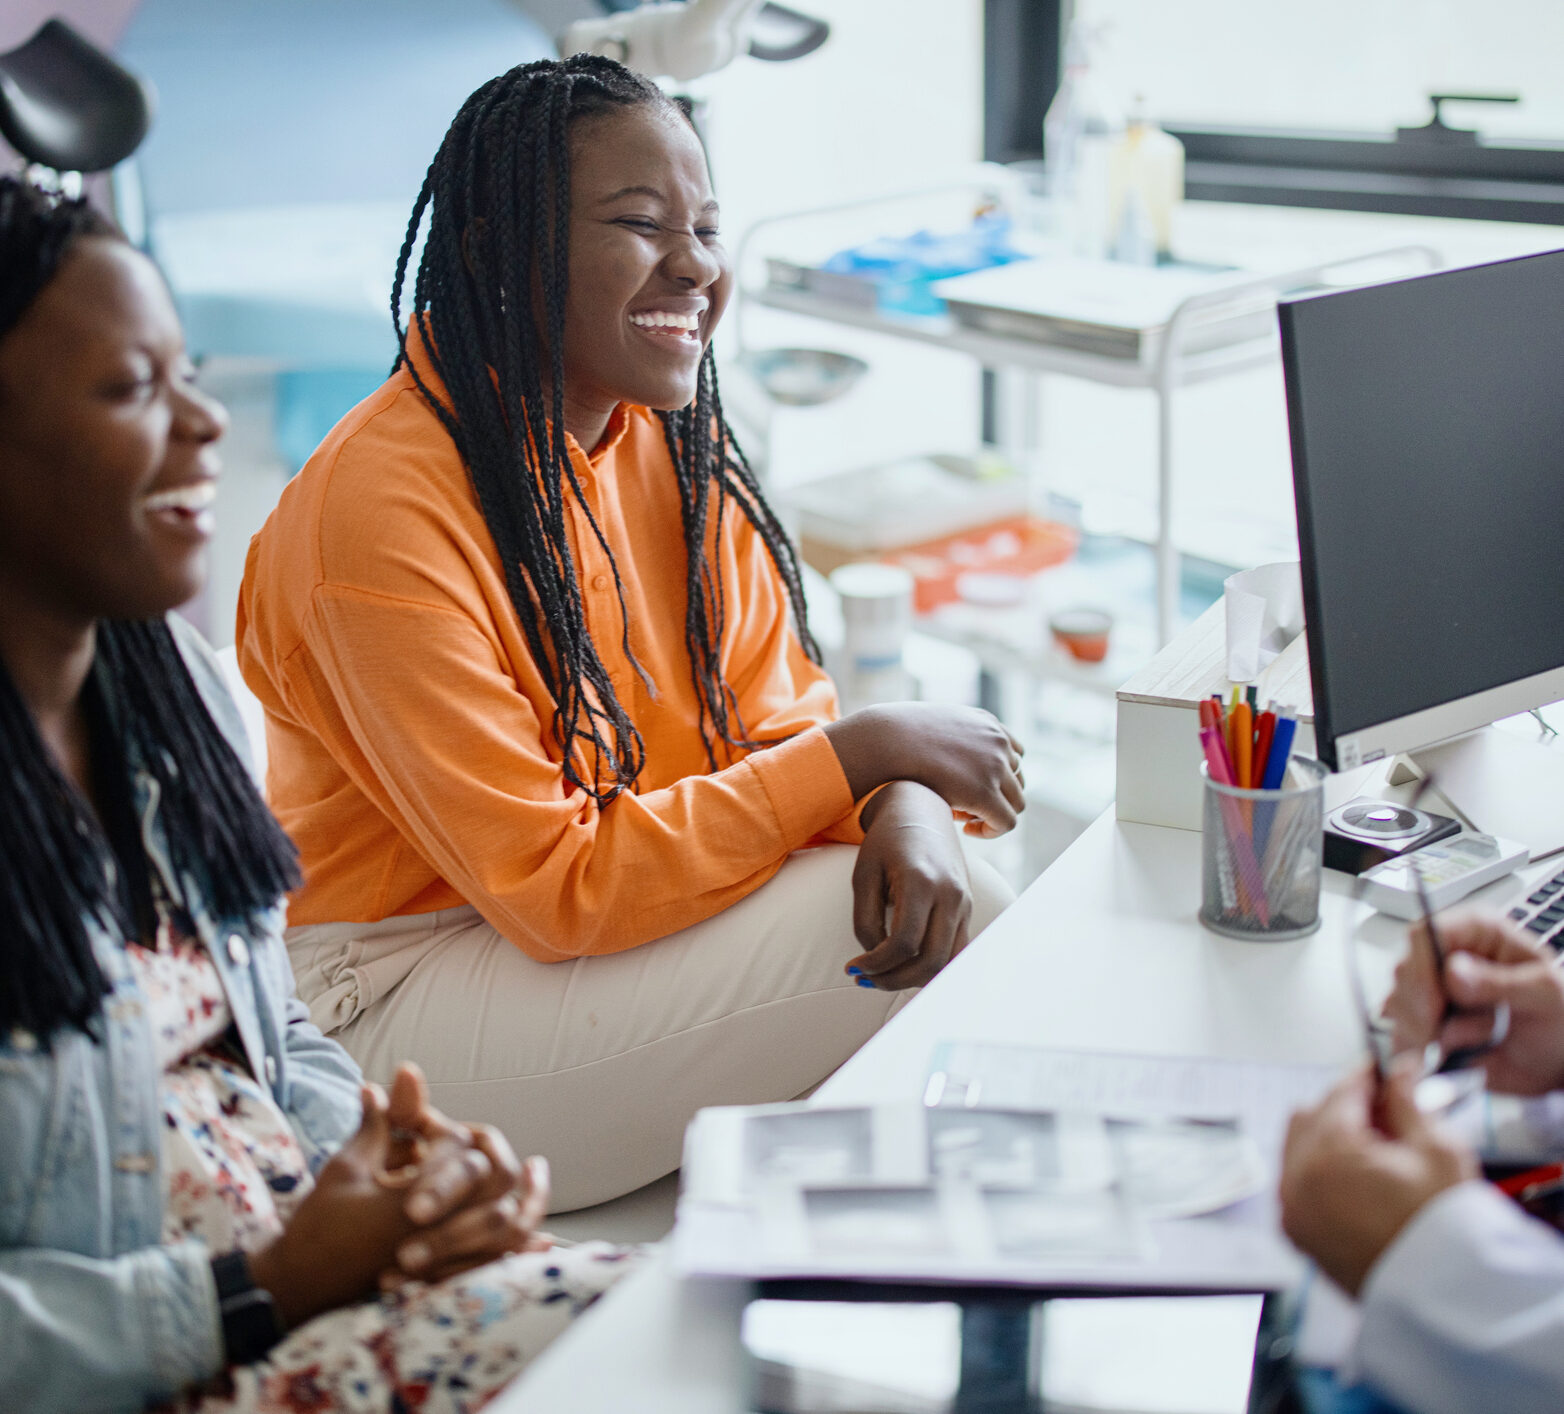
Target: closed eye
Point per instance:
(637, 223)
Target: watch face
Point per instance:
(250, 1327)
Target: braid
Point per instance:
(58, 865)
(37, 228)
(57, 868)
(215, 819)
(701, 463)
(496, 199)
(55, 875)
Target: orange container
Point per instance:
(1020, 545)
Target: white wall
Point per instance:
(1365, 64)
(892, 101)
(893, 98)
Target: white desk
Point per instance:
(1102, 952)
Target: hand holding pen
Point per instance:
(1439, 1056)
(1456, 984)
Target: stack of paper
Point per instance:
(1102, 307)
(1037, 1168)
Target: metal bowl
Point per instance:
(803, 377)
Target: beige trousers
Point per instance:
(600, 1063)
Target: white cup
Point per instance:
(876, 615)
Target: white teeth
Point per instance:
(194, 498)
(657, 319)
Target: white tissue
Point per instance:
(1264, 615)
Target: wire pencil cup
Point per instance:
(1261, 856)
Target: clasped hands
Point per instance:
(1360, 1165)
(412, 1195)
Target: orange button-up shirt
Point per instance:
(409, 728)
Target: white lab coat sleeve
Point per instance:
(1542, 1118)
(1510, 1129)
(1465, 1310)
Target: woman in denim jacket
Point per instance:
(200, 1202)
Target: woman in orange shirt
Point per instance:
(539, 685)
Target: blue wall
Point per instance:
(265, 102)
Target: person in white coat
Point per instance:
(1460, 1291)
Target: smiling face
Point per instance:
(107, 458)
(649, 278)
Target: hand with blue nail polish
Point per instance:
(911, 899)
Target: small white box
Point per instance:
(1159, 711)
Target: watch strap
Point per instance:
(250, 1325)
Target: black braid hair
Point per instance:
(497, 199)
(57, 866)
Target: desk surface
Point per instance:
(1101, 952)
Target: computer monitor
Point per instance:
(1427, 423)
(1427, 426)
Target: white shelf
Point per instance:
(1177, 359)
(1001, 351)
(1018, 641)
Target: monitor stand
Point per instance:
(1506, 780)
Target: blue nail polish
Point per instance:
(865, 982)
(855, 972)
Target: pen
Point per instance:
(1447, 1010)
(1281, 751)
(1517, 1186)
(1462, 1056)
(1265, 810)
(1243, 746)
(1264, 730)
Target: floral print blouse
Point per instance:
(233, 1169)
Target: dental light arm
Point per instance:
(669, 39)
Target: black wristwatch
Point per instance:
(250, 1326)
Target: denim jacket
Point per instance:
(96, 1312)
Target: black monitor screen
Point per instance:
(1427, 421)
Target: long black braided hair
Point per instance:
(58, 868)
(497, 199)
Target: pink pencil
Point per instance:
(1243, 844)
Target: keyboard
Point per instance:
(1542, 915)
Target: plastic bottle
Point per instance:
(1079, 131)
(1134, 237)
(1145, 186)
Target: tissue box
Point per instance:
(1158, 708)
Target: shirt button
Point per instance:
(271, 1070)
(238, 951)
(600, 581)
